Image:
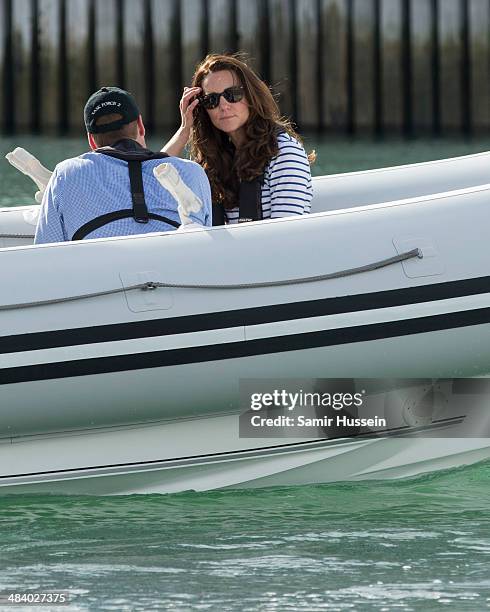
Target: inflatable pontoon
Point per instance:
(120, 364)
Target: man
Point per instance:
(111, 190)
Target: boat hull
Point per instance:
(138, 391)
(205, 454)
(211, 387)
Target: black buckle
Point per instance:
(139, 207)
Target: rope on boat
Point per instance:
(151, 285)
(16, 235)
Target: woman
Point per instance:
(254, 160)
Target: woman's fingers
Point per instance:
(188, 94)
(192, 105)
(187, 105)
(189, 114)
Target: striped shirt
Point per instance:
(93, 184)
(287, 189)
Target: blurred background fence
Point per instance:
(349, 66)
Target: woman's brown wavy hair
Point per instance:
(213, 149)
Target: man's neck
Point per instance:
(128, 144)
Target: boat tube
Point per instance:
(121, 358)
(330, 192)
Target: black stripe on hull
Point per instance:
(246, 316)
(248, 348)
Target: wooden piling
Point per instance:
(222, 27)
(333, 62)
(421, 43)
(22, 67)
(48, 76)
(450, 65)
(479, 24)
(194, 36)
(364, 65)
(134, 52)
(108, 60)
(77, 57)
(249, 30)
(3, 83)
(168, 66)
(307, 76)
(403, 66)
(391, 114)
(280, 33)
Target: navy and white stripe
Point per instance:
(246, 332)
(287, 189)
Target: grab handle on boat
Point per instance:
(151, 285)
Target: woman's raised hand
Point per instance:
(188, 103)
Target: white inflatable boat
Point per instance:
(121, 358)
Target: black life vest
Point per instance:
(249, 197)
(249, 203)
(131, 152)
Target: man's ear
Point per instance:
(91, 142)
(141, 126)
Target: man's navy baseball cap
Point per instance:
(109, 100)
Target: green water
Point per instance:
(422, 544)
(333, 155)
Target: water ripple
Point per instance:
(407, 545)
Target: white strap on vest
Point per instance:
(188, 202)
(29, 165)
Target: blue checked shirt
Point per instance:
(94, 184)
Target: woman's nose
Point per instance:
(223, 103)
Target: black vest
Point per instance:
(249, 198)
(249, 203)
(134, 155)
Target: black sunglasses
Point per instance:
(230, 94)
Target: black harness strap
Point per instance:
(250, 200)
(249, 203)
(218, 214)
(91, 226)
(134, 155)
(140, 210)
